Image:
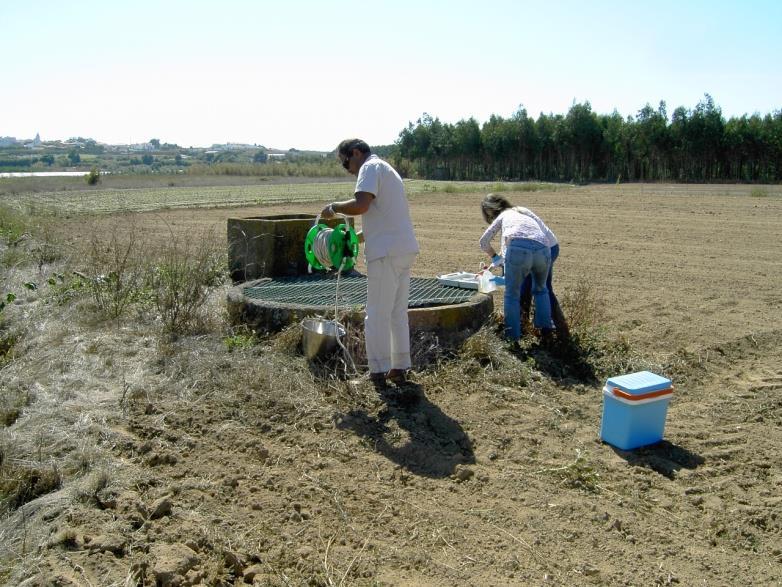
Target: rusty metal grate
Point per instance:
(321, 289)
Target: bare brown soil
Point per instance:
(186, 462)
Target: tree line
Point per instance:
(693, 145)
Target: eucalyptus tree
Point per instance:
(467, 149)
(694, 145)
(653, 143)
(582, 137)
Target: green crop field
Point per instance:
(107, 201)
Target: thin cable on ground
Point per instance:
(337, 324)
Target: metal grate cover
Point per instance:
(321, 289)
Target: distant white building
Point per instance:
(35, 143)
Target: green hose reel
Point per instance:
(327, 248)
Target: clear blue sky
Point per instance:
(308, 73)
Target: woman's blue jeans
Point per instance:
(526, 288)
(525, 257)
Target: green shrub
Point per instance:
(93, 177)
(62, 291)
(8, 298)
(239, 341)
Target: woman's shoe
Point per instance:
(547, 337)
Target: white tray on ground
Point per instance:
(461, 279)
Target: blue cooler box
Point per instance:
(634, 409)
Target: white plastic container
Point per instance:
(467, 280)
(461, 279)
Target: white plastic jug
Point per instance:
(486, 282)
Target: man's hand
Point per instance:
(327, 212)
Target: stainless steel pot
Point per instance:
(320, 336)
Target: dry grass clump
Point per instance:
(12, 401)
(23, 482)
(26, 243)
(426, 350)
(486, 348)
(484, 358)
(92, 486)
(591, 353)
(9, 337)
(181, 278)
(584, 305)
(256, 383)
(65, 538)
(172, 281)
(47, 247)
(578, 474)
(13, 224)
(115, 271)
(9, 415)
(288, 341)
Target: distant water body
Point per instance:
(44, 174)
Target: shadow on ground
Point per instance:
(663, 457)
(435, 444)
(562, 360)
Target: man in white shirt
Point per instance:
(390, 248)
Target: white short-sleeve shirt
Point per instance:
(387, 226)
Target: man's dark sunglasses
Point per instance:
(346, 163)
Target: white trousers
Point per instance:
(386, 329)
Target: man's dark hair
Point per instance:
(346, 147)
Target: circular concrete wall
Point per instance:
(451, 322)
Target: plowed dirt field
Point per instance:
(191, 462)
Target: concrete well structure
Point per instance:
(267, 256)
(270, 246)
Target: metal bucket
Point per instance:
(319, 336)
